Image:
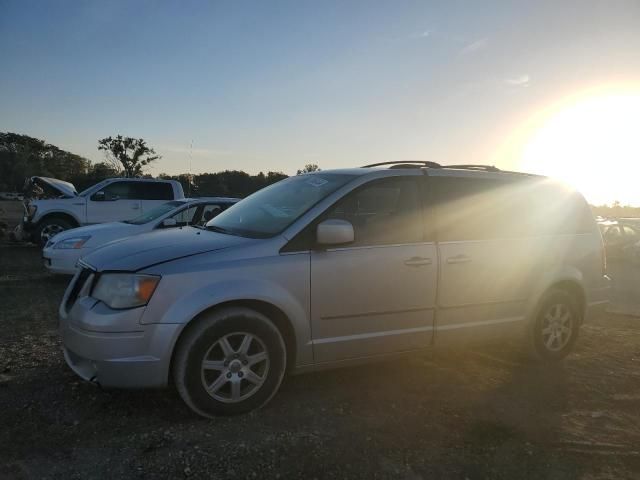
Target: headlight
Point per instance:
(125, 290)
(74, 242)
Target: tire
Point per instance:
(235, 379)
(49, 227)
(556, 326)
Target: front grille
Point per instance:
(82, 278)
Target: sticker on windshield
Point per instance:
(316, 181)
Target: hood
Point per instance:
(100, 233)
(135, 253)
(65, 188)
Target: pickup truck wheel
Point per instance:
(48, 228)
(231, 361)
(556, 328)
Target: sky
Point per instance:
(271, 85)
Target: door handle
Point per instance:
(459, 259)
(135, 206)
(417, 261)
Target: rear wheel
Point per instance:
(50, 227)
(229, 362)
(556, 327)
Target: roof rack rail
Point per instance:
(408, 163)
(486, 168)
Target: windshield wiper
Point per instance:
(214, 228)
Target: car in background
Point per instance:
(621, 239)
(11, 196)
(62, 252)
(52, 206)
(634, 222)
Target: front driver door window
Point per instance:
(376, 295)
(118, 202)
(185, 217)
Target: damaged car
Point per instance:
(52, 206)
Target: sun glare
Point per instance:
(591, 142)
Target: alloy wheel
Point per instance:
(235, 367)
(557, 327)
(50, 231)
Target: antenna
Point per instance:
(190, 162)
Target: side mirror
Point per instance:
(99, 196)
(169, 223)
(334, 232)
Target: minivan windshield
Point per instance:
(271, 210)
(155, 213)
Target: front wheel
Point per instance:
(555, 330)
(48, 228)
(231, 361)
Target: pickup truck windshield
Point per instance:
(271, 210)
(155, 213)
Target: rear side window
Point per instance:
(483, 209)
(154, 191)
(209, 212)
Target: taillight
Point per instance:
(603, 256)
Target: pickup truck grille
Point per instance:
(84, 276)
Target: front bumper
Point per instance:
(62, 261)
(112, 348)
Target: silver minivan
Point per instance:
(334, 268)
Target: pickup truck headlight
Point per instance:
(125, 290)
(74, 242)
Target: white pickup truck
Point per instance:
(111, 200)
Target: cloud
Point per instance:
(518, 81)
(475, 46)
(423, 34)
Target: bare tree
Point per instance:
(308, 168)
(128, 155)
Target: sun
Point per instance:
(590, 141)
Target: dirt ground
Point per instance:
(481, 414)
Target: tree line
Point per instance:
(22, 156)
